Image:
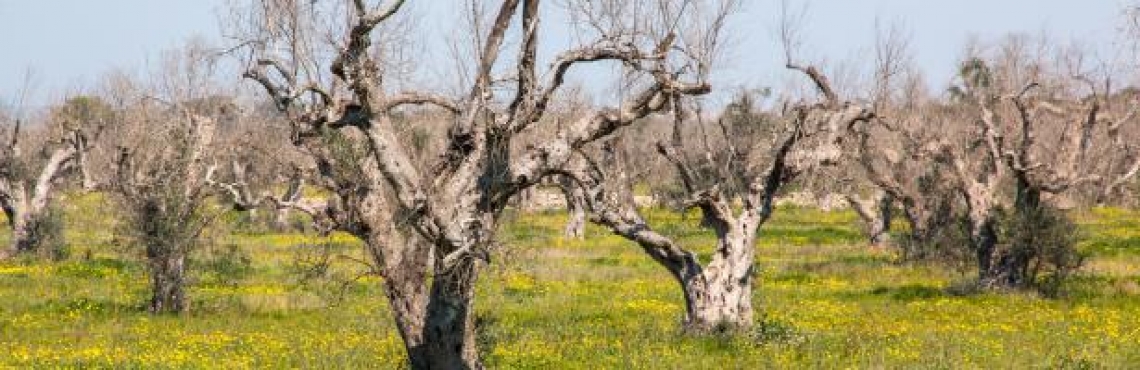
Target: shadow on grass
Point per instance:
(90, 306)
(909, 293)
(96, 268)
(809, 236)
(849, 261)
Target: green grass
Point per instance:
(823, 300)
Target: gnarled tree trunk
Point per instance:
(168, 280)
(876, 216)
(24, 214)
(1003, 266)
(720, 298)
(404, 261)
(449, 325)
(575, 207)
(455, 205)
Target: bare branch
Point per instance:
(420, 98)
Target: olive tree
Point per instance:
(762, 154)
(1038, 131)
(167, 143)
(29, 179)
(431, 228)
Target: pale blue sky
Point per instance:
(69, 43)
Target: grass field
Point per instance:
(824, 300)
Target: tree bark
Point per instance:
(16, 210)
(717, 304)
(449, 327)
(168, 283)
(89, 183)
(575, 207)
(1000, 266)
(876, 216)
(281, 220)
(24, 237)
(1003, 266)
(24, 213)
(404, 263)
(720, 298)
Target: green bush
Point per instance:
(47, 231)
(227, 265)
(1044, 240)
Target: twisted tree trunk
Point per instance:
(456, 206)
(720, 298)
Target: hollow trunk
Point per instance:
(449, 325)
(25, 206)
(168, 283)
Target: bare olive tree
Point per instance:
(167, 142)
(29, 178)
(762, 154)
(444, 217)
(161, 188)
(894, 155)
(1033, 143)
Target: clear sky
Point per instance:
(67, 44)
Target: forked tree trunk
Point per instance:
(168, 283)
(24, 213)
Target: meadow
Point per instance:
(824, 300)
